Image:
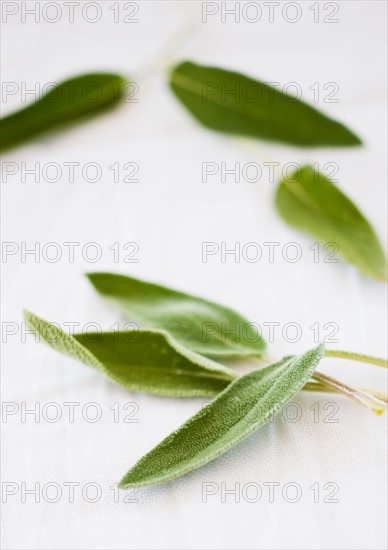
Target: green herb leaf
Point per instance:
(205, 327)
(309, 201)
(69, 100)
(149, 361)
(231, 102)
(238, 411)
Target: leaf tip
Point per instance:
(127, 483)
(28, 316)
(321, 348)
(353, 139)
(92, 276)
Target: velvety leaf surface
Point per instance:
(309, 201)
(196, 323)
(69, 100)
(234, 103)
(238, 411)
(148, 360)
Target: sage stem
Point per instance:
(373, 403)
(357, 357)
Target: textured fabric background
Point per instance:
(169, 213)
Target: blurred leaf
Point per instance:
(69, 100)
(245, 405)
(144, 360)
(205, 327)
(309, 201)
(231, 102)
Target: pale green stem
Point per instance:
(357, 357)
(371, 398)
(325, 388)
(373, 403)
(169, 49)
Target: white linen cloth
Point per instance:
(169, 213)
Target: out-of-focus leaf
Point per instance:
(74, 98)
(309, 201)
(203, 326)
(149, 361)
(234, 103)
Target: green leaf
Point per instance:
(242, 408)
(71, 99)
(149, 361)
(309, 201)
(200, 325)
(234, 103)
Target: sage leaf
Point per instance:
(312, 203)
(71, 99)
(237, 104)
(149, 360)
(242, 408)
(200, 325)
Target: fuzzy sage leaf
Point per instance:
(234, 103)
(245, 405)
(71, 99)
(312, 203)
(203, 326)
(149, 360)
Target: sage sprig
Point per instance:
(203, 326)
(245, 405)
(69, 100)
(237, 104)
(309, 201)
(155, 360)
(144, 360)
(152, 361)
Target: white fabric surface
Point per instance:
(169, 213)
